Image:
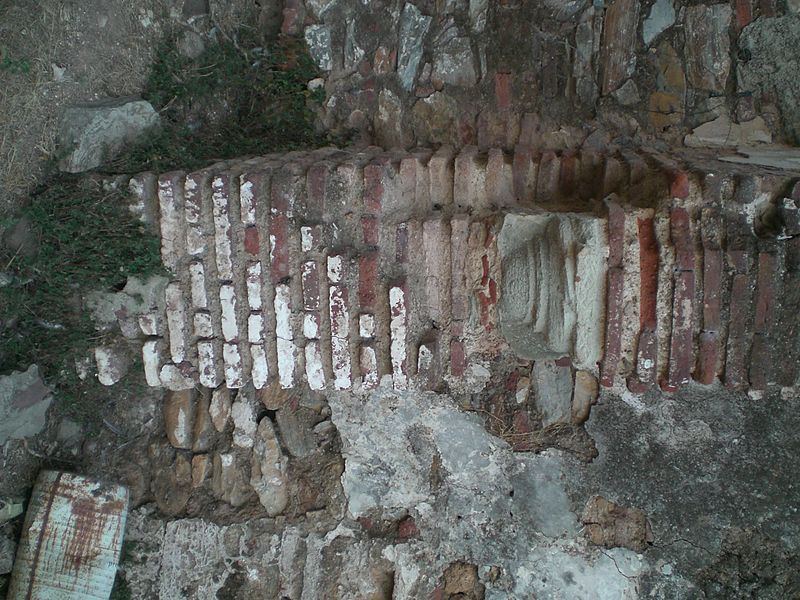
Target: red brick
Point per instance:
(315, 190)
(648, 268)
(373, 189)
(712, 285)
(737, 354)
(279, 240)
(401, 243)
(707, 358)
(681, 236)
(613, 342)
(502, 90)
(251, 242)
(367, 280)
(679, 185)
(744, 14)
(765, 299)
(369, 230)
(458, 358)
(616, 234)
(681, 349)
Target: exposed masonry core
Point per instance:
(351, 269)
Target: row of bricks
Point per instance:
(681, 311)
(443, 286)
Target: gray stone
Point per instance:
(454, 63)
(660, 18)
(353, 53)
(122, 309)
(722, 132)
(318, 38)
(627, 94)
(229, 483)
(708, 60)
(8, 548)
(388, 120)
(477, 14)
(268, 472)
(93, 133)
(319, 7)
(112, 362)
(296, 433)
(584, 62)
(21, 238)
(24, 400)
(190, 44)
(771, 66)
(793, 6)
(552, 389)
(413, 27)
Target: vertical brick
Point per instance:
(170, 200)
(252, 244)
(737, 354)
(222, 227)
(681, 236)
(203, 327)
(525, 169)
(152, 360)
(469, 180)
(279, 246)
(310, 237)
(368, 362)
(681, 350)
(254, 284)
(312, 324)
(436, 252)
(260, 369)
(227, 299)
(248, 189)
(614, 313)
(398, 327)
(234, 370)
(208, 364)
(340, 337)
(646, 362)
(368, 280)
(499, 178)
(567, 175)
(502, 90)
(441, 168)
(712, 288)
(708, 357)
(255, 328)
(176, 322)
(370, 230)
(648, 269)
(287, 352)
(373, 189)
(459, 234)
(192, 203)
(315, 374)
(458, 358)
(309, 275)
(616, 234)
(760, 360)
(197, 282)
(547, 184)
(401, 243)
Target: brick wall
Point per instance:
(343, 269)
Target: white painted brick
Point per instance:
(254, 286)
(315, 374)
(197, 279)
(227, 298)
(369, 367)
(234, 371)
(208, 363)
(148, 323)
(192, 198)
(174, 378)
(340, 318)
(222, 230)
(311, 325)
(286, 362)
(424, 358)
(255, 328)
(171, 223)
(176, 321)
(151, 357)
(366, 326)
(247, 201)
(203, 327)
(260, 370)
(195, 241)
(306, 239)
(342, 375)
(335, 269)
(283, 313)
(398, 330)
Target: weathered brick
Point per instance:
(469, 180)
(310, 237)
(340, 334)
(208, 364)
(712, 287)
(234, 370)
(459, 234)
(524, 170)
(614, 313)
(252, 244)
(707, 357)
(440, 169)
(681, 350)
(287, 352)
(197, 281)
(203, 327)
(283, 312)
(458, 358)
(681, 236)
(177, 377)
(192, 206)
(222, 227)
(249, 189)
(149, 324)
(254, 283)
(279, 246)
(368, 280)
(366, 326)
(171, 219)
(398, 327)
(616, 234)
(547, 184)
(152, 360)
(436, 252)
(502, 90)
(179, 414)
(499, 178)
(737, 354)
(401, 243)
(310, 281)
(648, 273)
(370, 230)
(373, 189)
(760, 359)
(646, 362)
(312, 324)
(679, 185)
(176, 321)
(227, 299)
(315, 373)
(260, 369)
(255, 328)
(614, 177)
(368, 362)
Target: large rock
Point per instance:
(24, 400)
(770, 65)
(413, 27)
(708, 60)
(93, 133)
(268, 472)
